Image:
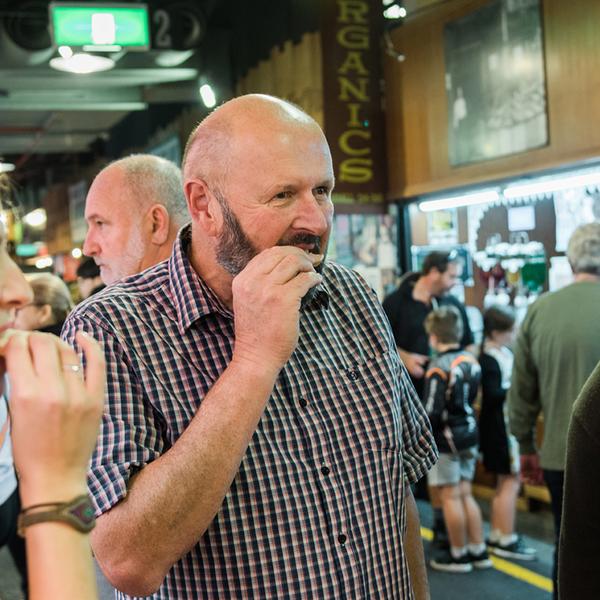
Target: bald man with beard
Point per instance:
(260, 432)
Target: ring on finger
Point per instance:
(71, 368)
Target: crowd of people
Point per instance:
(264, 418)
(434, 337)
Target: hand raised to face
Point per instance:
(267, 296)
(55, 412)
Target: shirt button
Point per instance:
(353, 374)
(325, 470)
(342, 539)
(302, 402)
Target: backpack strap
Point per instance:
(437, 371)
(461, 359)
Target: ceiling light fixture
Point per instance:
(172, 58)
(456, 201)
(82, 63)
(92, 48)
(208, 95)
(35, 218)
(44, 263)
(548, 186)
(65, 51)
(76, 253)
(394, 12)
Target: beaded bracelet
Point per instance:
(78, 513)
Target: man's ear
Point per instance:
(203, 206)
(45, 312)
(159, 224)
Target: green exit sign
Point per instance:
(100, 26)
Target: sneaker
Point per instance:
(481, 560)
(517, 550)
(444, 561)
(440, 540)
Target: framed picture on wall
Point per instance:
(495, 82)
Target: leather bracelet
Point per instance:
(78, 513)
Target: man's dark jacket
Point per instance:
(407, 316)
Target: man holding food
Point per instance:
(260, 431)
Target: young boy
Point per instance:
(450, 389)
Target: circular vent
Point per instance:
(26, 23)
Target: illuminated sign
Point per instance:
(100, 26)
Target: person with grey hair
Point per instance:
(134, 209)
(557, 348)
(49, 308)
(583, 251)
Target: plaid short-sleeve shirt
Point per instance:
(316, 509)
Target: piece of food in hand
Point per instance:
(316, 259)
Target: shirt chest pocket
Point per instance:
(360, 403)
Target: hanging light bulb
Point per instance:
(208, 95)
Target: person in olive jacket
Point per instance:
(579, 554)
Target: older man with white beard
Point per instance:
(133, 210)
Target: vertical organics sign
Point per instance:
(350, 34)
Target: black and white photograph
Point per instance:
(495, 82)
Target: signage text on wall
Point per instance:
(350, 34)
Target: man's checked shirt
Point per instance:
(317, 507)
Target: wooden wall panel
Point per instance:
(294, 72)
(58, 227)
(416, 99)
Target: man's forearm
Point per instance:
(413, 547)
(172, 500)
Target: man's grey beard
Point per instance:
(235, 250)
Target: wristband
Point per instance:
(78, 513)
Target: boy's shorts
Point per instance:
(451, 469)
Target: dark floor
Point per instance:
(9, 578)
(494, 584)
(491, 584)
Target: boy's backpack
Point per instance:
(458, 417)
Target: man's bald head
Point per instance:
(211, 147)
(257, 173)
